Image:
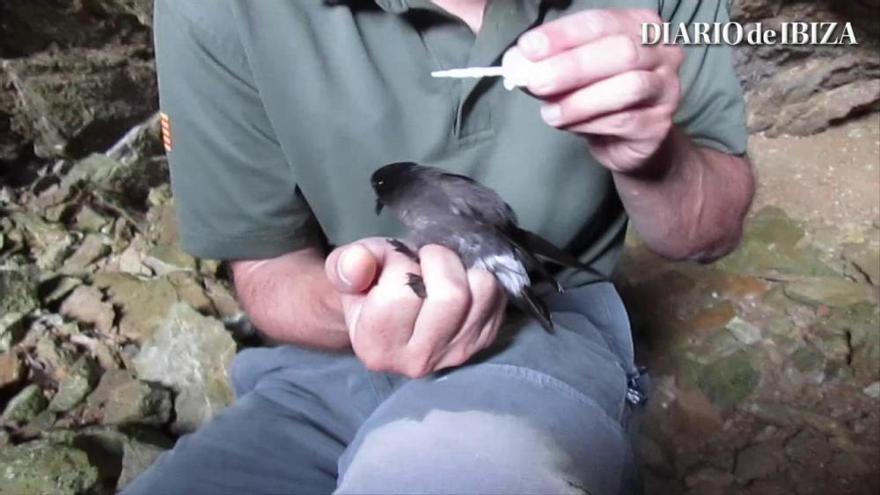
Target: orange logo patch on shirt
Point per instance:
(165, 123)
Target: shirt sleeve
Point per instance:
(235, 193)
(713, 110)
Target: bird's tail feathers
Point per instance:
(549, 252)
(531, 305)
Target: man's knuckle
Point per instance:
(459, 355)
(417, 367)
(643, 83)
(375, 361)
(623, 121)
(627, 49)
(450, 293)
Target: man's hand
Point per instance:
(392, 329)
(599, 80)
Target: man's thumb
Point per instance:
(351, 268)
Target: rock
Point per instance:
(222, 299)
(49, 242)
(163, 225)
(709, 476)
(765, 487)
(808, 448)
(18, 289)
(31, 26)
(808, 108)
(833, 292)
(746, 10)
(12, 370)
(89, 220)
(75, 386)
(86, 305)
(40, 423)
(131, 260)
(757, 461)
(654, 457)
(775, 414)
(848, 464)
(699, 417)
(729, 380)
(120, 398)
(99, 350)
(191, 354)
(144, 304)
(866, 259)
(141, 9)
(119, 456)
(57, 288)
(40, 467)
(136, 458)
(25, 405)
(772, 245)
(114, 89)
(190, 291)
(54, 359)
(744, 331)
(810, 361)
(872, 390)
(859, 325)
(164, 259)
(209, 268)
(11, 329)
(140, 147)
(92, 248)
(96, 170)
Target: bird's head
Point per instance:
(389, 181)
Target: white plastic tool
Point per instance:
(514, 69)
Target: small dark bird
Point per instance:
(472, 220)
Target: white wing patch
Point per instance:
(507, 269)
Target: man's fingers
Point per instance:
(604, 97)
(387, 315)
(478, 330)
(632, 124)
(589, 63)
(580, 28)
(444, 310)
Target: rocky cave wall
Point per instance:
(113, 340)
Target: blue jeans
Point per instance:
(540, 412)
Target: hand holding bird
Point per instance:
(393, 329)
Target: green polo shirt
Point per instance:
(279, 111)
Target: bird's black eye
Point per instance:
(380, 182)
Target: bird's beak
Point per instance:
(379, 206)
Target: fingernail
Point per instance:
(551, 113)
(534, 43)
(340, 268)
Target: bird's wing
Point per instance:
(470, 198)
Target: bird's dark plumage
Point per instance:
(461, 214)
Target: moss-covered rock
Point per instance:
(26, 404)
(41, 467)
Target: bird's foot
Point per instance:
(403, 249)
(417, 284)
